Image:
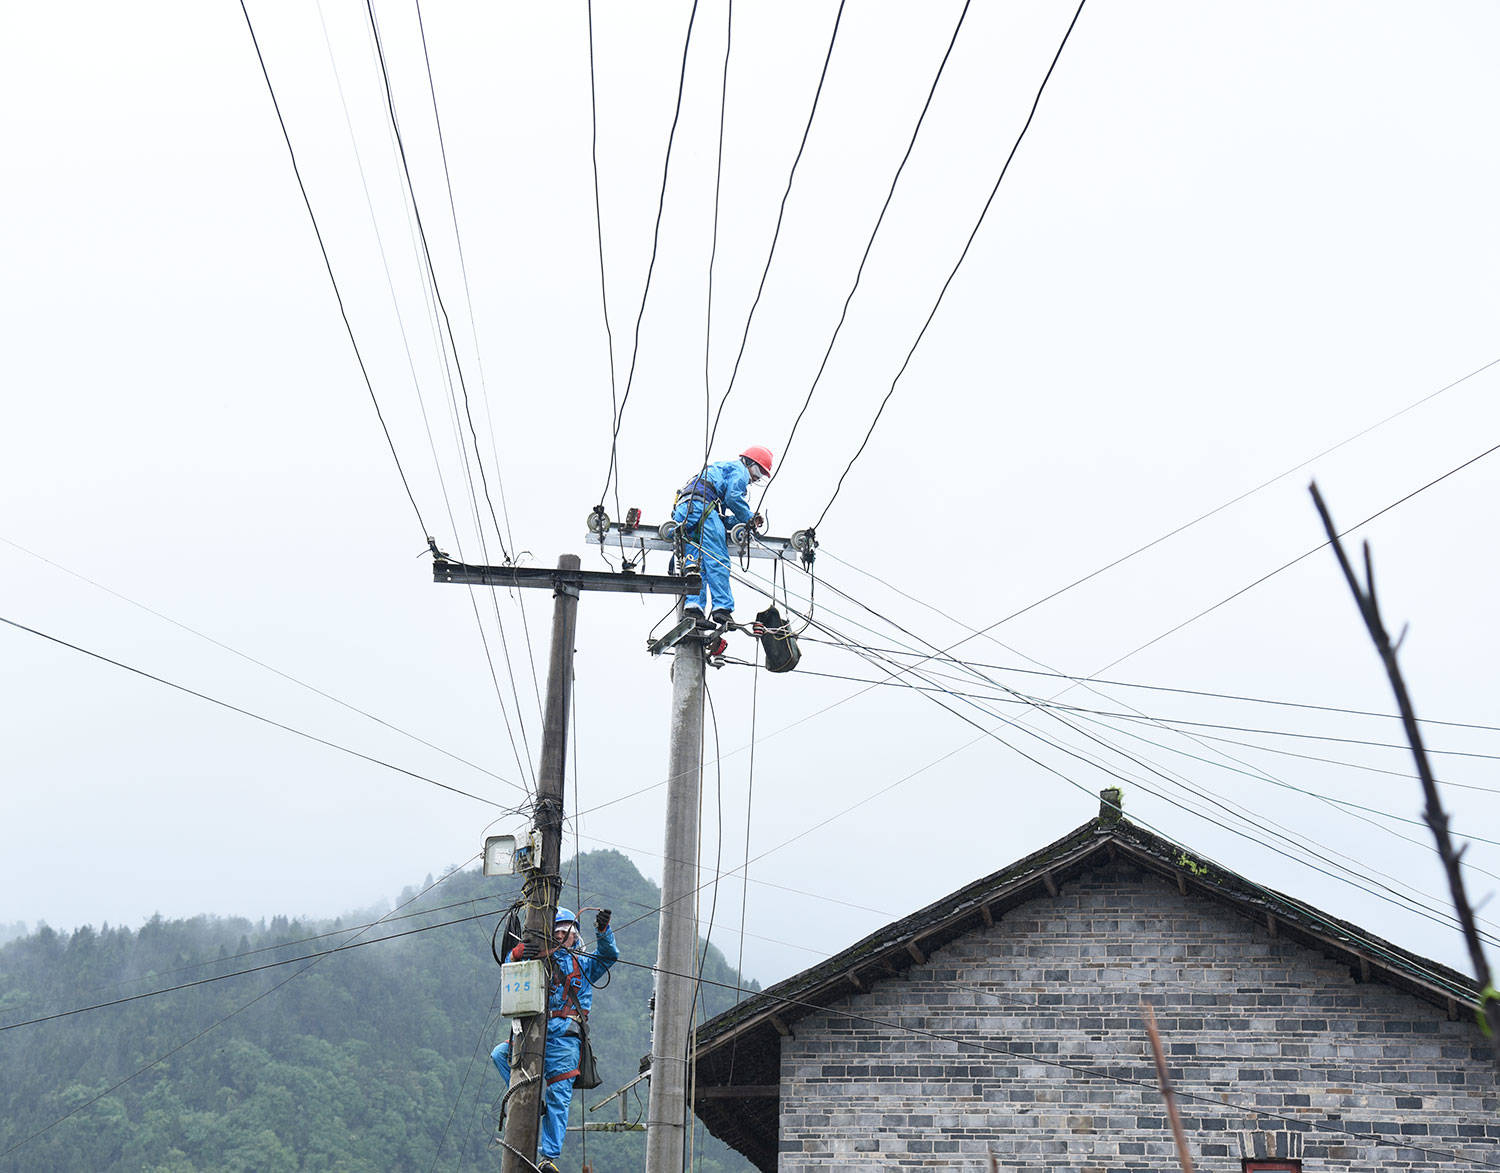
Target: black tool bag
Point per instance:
(780, 645)
(588, 1069)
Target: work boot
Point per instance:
(696, 615)
(547, 1165)
(722, 618)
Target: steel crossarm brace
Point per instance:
(444, 570)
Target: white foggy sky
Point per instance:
(1234, 236)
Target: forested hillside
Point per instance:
(270, 1058)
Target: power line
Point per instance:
(343, 947)
(431, 269)
(635, 353)
(713, 252)
(257, 717)
(1173, 722)
(252, 660)
(463, 268)
(328, 265)
(957, 264)
(1293, 562)
(1226, 696)
(447, 323)
(522, 764)
(1201, 517)
(776, 233)
(869, 245)
(1422, 910)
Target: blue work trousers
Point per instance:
(561, 1056)
(706, 544)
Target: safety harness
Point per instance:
(571, 985)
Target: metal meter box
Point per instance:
(523, 988)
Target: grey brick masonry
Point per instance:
(1247, 1021)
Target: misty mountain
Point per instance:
(225, 1044)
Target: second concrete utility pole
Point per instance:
(676, 942)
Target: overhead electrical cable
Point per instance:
(453, 346)
(890, 683)
(489, 415)
(661, 204)
(390, 283)
(479, 353)
(290, 942)
(1006, 694)
(343, 947)
(1403, 901)
(431, 269)
(1253, 819)
(522, 763)
(252, 660)
(869, 245)
(264, 720)
(1217, 509)
(956, 266)
(713, 251)
(1288, 565)
(765, 272)
(463, 268)
(947, 650)
(1197, 692)
(328, 265)
(1038, 702)
(609, 334)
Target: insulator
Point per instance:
(804, 540)
(598, 521)
(667, 530)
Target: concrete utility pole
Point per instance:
(676, 942)
(544, 883)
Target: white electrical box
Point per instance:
(523, 988)
(500, 855)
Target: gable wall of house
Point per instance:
(1261, 1021)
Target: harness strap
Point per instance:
(562, 1075)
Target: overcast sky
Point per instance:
(1234, 237)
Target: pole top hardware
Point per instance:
(642, 537)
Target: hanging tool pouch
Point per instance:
(780, 645)
(588, 1069)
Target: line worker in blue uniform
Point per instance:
(570, 993)
(719, 489)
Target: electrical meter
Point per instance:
(523, 988)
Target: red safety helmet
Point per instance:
(761, 456)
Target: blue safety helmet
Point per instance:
(564, 917)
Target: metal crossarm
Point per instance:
(444, 570)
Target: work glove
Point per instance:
(530, 951)
(601, 920)
(757, 523)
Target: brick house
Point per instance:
(1005, 1019)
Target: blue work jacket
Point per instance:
(576, 973)
(727, 482)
